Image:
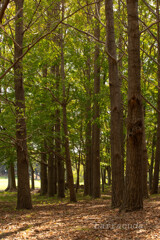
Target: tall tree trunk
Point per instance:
(157, 155)
(88, 130)
(96, 112)
(65, 126)
(44, 178)
(151, 166)
(116, 111)
(133, 195)
(24, 196)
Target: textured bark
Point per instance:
(133, 196)
(44, 178)
(116, 111)
(157, 154)
(3, 8)
(70, 181)
(96, 113)
(24, 197)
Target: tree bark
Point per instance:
(24, 196)
(133, 195)
(116, 111)
(96, 112)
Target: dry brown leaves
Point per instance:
(88, 219)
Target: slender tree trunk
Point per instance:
(88, 180)
(103, 178)
(55, 175)
(24, 196)
(78, 170)
(109, 175)
(152, 162)
(65, 126)
(88, 130)
(157, 154)
(60, 163)
(145, 163)
(51, 187)
(96, 113)
(44, 178)
(116, 112)
(133, 195)
(32, 177)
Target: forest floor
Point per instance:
(88, 219)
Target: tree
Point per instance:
(96, 113)
(133, 195)
(24, 197)
(116, 111)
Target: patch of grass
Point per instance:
(8, 197)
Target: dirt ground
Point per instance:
(86, 219)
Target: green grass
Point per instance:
(4, 183)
